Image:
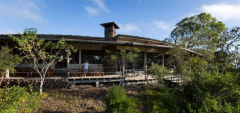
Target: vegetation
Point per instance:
(210, 77)
(123, 57)
(211, 81)
(35, 50)
(8, 62)
(16, 99)
(118, 101)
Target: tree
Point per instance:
(123, 57)
(8, 61)
(229, 45)
(34, 50)
(199, 33)
(169, 40)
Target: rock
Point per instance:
(61, 83)
(71, 87)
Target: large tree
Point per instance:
(35, 50)
(198, 32)
(228, 46)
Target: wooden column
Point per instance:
(80, 56)
(145, 59)
(162, 59)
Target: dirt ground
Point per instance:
(83, 98)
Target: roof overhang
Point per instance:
(108, 43)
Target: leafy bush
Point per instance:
(17, 99)
(161, 100)
(158, 72)
(118, 101)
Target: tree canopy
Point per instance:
(198, 32)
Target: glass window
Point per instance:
(155, 58)
(92, 56)
(74, 57)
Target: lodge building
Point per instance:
(93, 49)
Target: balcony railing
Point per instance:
(72, 72)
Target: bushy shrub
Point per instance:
(118, 101)
(161, 100)
(17, 99)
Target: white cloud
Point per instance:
(101, 5)
(20, 9)
(127, 28)
(96, 10)
(91, 10)
(223, 11)
(7, 32)
(162, 25)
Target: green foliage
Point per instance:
(118, 101)
(129, 56)
(199, 32)
(161, 100)
(35, 50)
(17, 99)
(158, 72)
(123, 57)
(8, 61)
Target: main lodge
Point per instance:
(93, 49)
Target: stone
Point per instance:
(72, 86)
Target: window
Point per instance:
(74, 57)
(92, 56)
(140, 61)
(155, 58)
(97, 59)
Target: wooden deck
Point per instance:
(93, 79)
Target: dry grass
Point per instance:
(80, 99)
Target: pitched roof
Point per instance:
(143, 38)
(57, 36)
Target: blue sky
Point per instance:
(148, 18)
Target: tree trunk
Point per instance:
(2, 77)
(41, 86)
(123, 65)
(1, 81)
(123, 70)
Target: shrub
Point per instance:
(160, 100)
(118, 101)
(17, 99)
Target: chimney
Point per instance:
(110, 29)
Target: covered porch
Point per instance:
(72, 65)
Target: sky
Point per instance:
(145, 18)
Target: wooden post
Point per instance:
(162, 59)
(145, 61)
